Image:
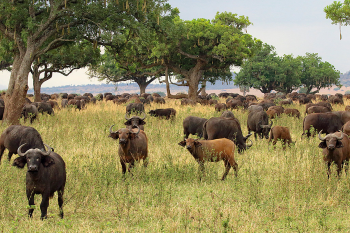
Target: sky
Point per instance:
(292, 27)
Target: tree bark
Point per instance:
(203, 93)
(36, 84)
(18, 86)
(195, 74)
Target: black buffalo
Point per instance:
(135, 107)
(193, 125)
(46, 174)
(29, 111)
(221, 127)
(16, 135)
(135, 121)
(166, 113)
(327, 122)
(258, 122)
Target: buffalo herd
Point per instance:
(217, 136)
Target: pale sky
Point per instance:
(292, 27)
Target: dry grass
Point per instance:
(276, 190)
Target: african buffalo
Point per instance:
(221, 127)
(336, 148)
(166, 113)
(346, 128)
(16, 135)
(133, 146)
(78, 104)
(188, 102)
(213, 151)
(258, 122)
(193, 125)
(280, 133)
(254, 108)
(64, 103)
(328, 122)
(228, 114)
(135, 121)
(44, 107)
(135, 107)
(317, 109)
(159, 100)
(29, 111)
(292, 112)
(220, 107)
(46, 174)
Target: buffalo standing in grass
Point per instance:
(221, 127)
(46, 174)
(280, 133)
(166, 113)
(16, 135)
(336, 148)
(327, 122)
(258, 122)
(212, 151)
(193, 125)
(133, 146)
(135, 107)
(135, 121)
(29, 111)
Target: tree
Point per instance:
(63, 60)
(31, 28)
(317, 74)
(193, 49)
(266, 71)
(339, 13)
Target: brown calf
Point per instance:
(280, 133)
(213, 151)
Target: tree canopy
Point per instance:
(338, 12)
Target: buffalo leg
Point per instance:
(339, 168)
(132, 164)
(201, 168)
(10, 156)
(60, 201)
(329, 169)
(30, 196)
(44, 205)
(123, 166)
(227, 169)
(145, 162)
(2, 149)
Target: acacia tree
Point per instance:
(31, 28)
(339, 12)
(192, 48)
(317, 74)
(63, 60)
(266, 71)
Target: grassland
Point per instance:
(275, 191)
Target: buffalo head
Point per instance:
(124, 134)
(265, 130)
(135, 121)
(190, 144)
(331, 141)
(33, 158)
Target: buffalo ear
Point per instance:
(196, 143)
(339, 144)
(322, 144)
(182, 143)
(20, 162)
(114, 135)
(47, 161)
(142, 122)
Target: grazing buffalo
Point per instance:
(166, 113)
(64, 103)
(44, 107)
(234, 104)
(220, 107)
(221, 127)
(120, 101)
(328, 122)
(135, 121)
(29, 111)
(133, 146)
(280, 133)
(317, 109)
(16, 135)
(258, 122)
(212, 151)
(193, 125)
(78, 104)
(346, 128)
(292, 112)
(135, 107)
(212, 102)
(336, 148)
(188, 102)
(159, 100)
(46, 174)
(266, 105)
(255, 108)
(286, 102)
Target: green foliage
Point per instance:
(338, 12)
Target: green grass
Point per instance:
(276, 190)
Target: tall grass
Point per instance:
(275, 190)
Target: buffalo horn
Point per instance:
(144, 116)
(341, 136)
(137, 131)
(126, 118)
(19, 150)
(110, 129)
(249, 145)
(45, 153)
(319, 136)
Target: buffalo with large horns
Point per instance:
(258, 122)
(133, 146)
(45, 175)
(135, 121)
(336, 148)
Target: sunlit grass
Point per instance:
(275, 190)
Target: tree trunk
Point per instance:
(36, 84)
(195, 75)
(18, 87)
(142, 89)
(168, 94)
(203, 93)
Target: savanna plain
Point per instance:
(275, 191)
